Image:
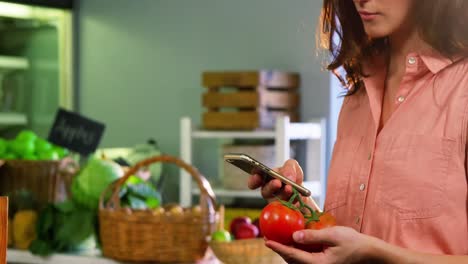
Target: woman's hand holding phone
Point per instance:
(274, 187)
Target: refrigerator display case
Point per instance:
(35, 66)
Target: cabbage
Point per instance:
(82, 198)
(93, 179)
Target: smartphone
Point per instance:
(252, 166)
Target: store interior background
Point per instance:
(140, 63)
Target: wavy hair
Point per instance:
(443, 24)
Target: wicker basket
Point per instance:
(145, 235)
(245, 251)
(47, 181)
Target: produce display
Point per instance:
(28, 146)
(72, 225)
(278, 221)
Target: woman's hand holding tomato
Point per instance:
(325, 220)
(311, 237)
(279, 220)
(344, 245)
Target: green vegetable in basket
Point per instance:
(29, 146)
(26, 135)
(93, 179)
(30, 157)
(42, 145)
(10, 156)
(49, 155)
(62, 152)
(22, 148)
(138, 194)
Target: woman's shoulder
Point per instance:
(459, 66)
(455, 72)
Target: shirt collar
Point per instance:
(435, 61)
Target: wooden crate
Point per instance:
(267, 78)
(249, 100)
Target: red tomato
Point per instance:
(278, 222)
(325, 220)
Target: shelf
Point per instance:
(313, 186)
(25, 257)
(297, 131)
(13, 63)
(312, 132)
(7, 118)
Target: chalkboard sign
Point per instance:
(75, 132)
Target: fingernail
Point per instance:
(298, 236)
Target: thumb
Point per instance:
(323, 236)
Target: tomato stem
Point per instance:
(290, 203)
(313, 214)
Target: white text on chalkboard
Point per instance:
(71, 134)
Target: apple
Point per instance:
(237, 221)
(221, 236)
(246, 231)
(256, 222)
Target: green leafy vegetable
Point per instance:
(138, 194)
(63, 227)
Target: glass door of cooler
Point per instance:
(35, 66)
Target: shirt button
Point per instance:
(369, 156)
(362, 187)
(358, 220)
(411, 60)
(401, 99)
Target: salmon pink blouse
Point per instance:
(407, 183)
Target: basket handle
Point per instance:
(207, 196)
(68, 166)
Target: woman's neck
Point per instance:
(402, 43)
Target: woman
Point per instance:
(398, 177)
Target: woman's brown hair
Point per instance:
(441, 23)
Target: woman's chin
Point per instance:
(376, 33)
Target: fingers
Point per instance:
(255, 181)
(274, 188)
(325, 236)
(292, 170)
(271, 189)
(294, 255)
